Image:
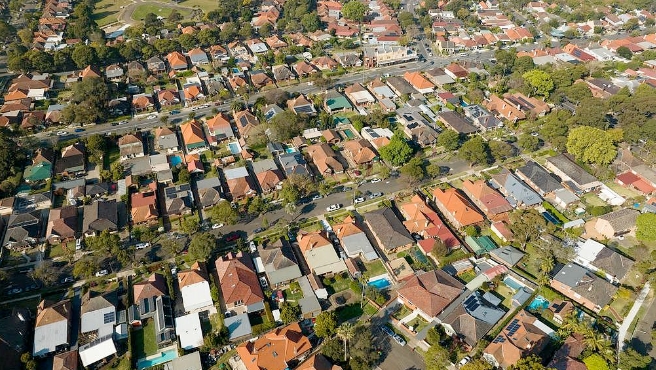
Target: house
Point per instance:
(240, 183)
(301, 105)
(565, 197)
(429, 293)
(100, 215)
(566, 357)
(192, 92)
(153, 287)
(457, 123)
(195, 289)
(470, 318)
(504, 109)
(602, 260)
(256, 46)
(359, 96)
(155, 65)
(130, 146)
(275, 349)
(582, 286)
(416, 127)
(309, 304)
(193, 136)
(177, 61)
(501, 230)
(400, 86)
(178, 199)
(381, 90)
(538, 178)
(348, 60)
(529, 105)
(354, 240)
(631, 179)
(318, 361)
(439, 77)
(259, 79)
(71, 161)
(198, 57)
(209, 191)
(419, 82)
(188, 329)
(335, 102)
(143, 103)
(456, 72)
(41, 167)
(304, 69)
(293, 163)
(456, 208)
(168, 97)
(616, 223)
(65, 361)
(240, 287)
(62, 224)
(508, 256)
(136, 69)
(481, 117)
(384, 55)
(388, 230)
(332, 136)
(282, 73)
(524, 336)
(325, 159)
(98, 313)
(90, 72)
(268, 175)
(320, 254)
(15, 334)
(245, 122)
(564, 167)
(601, 88)
(360, 152)
(144, 207)
(422, 220)
(219, 53)
(166, 140)
(517, 193)
(52, 328)
(219, 128)
(274, 42)
(114, 72)
(485, 198)
(279, 262)
(325, 63)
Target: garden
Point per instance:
(144, 340)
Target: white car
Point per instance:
(102, 273)
(333, 207)
(152, 116)
(317, 197)
(62, 133)
(78, 244)
(373, 181)
(358, 200)
(142, 245)
(123, 122)
(464, 361)
(217, 226)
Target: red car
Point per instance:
(232, 237)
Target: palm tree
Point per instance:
(570, 325)
(597, 343)
(345, 332)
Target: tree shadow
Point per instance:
(308, 208)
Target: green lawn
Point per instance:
(418, 324)
(370, 309)
(401, 312)
(158, 9)
(106, 11)
(337, 285)
(592, 199)
(467, 276)
(112, 155)
(145, 341)
(293, 296)
(375, 268)
(348, 312)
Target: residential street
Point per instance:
(642, 335)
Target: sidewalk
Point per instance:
(632, 314)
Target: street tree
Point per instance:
(436, 358)
(171, 246)
(201, 246)
(190, 225)
(475, 151)
(414, 169)
(105, 242)
(397, 152)
(290, 193)
(449, 140)
(325, 324)
(501, 150)
(43, 273)
(223, 213)
(85, 267)
(478, 364)
(630, 359)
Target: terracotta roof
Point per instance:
(324, 158)
(431, 291)
(192, 92)
(128, 139)
(458, 206)
(52, 313)
(418, 81)
(245, 122)
(347, 228)
(489, 200)
(192, 132)
(89, 72)
(275, 349)
(239, 282)
(176, 59)
(218, 121)
(155, 286)
(269, 179)
(197, 274)
(360, 151)
(240, 187)
(518, 339)
(144, 207)
(317, 362)
(307, 241)
(65, 361)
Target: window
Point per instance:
(109, 317)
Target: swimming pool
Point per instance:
(290, 149)
(349, 134)
(175, 160)
(164, 357)
(512, 283)
(380, 283)
(539, 303)
(234, 147)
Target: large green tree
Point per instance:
(325, 324)
(354, 10)
(397, 152)
(475, 151)
(436, 358)
(201, 246)
(449, 140)
(223, 213)
(289, 313)
(646, 227)
(539, 81)
(592, 145)
(531, 362)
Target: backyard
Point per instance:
(144, 340)
(347, 312)
(375, 268)
(337, 284)
(417, 324)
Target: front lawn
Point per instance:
(418, 324)
(401, 312)
(370, 309)
(159, 9)
(345, 313)
(145, 341)
(337, 284)
(467, 276)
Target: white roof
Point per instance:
(587, 251)
(189, 331)
(361, 97)
(259, 47)
(48, 337)
(312, 133)
(96, 351)
(610, 196)
(196, 296)
(259, 266)
(35, 93)
(235, 173)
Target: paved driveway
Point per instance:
(396, 357)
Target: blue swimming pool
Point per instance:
(164, 357)
(349, 134)
(234, 147)
(539, 303)
(290, 149)
(381, 283)
(175, 160)
(512, 283)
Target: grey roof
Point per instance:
(100, 215)
(541, 178)
(586, 283)
(388, 228)
(168, 141)
(178, 198)
(275, 147)
(186, 362)
(138, 166)
(238, 326)
(235, 173)
(509, 255)
(359, 244)
(474, 322)
(264, 165)
(400, 85)
(457, 122)
(516, 191)
(566, 196)
(621, 220)
(521, 296)
(15, 331)
(293, 163)
(199, 57)
(492, 299)
(572, 170)
(94, 302)
(309, 303)
(209, 191)
(612, 263)
(279, 262)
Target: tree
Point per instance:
(436, 358)
(190, 225)
(624, 52)
(527, 225)
(287, 125)
(289, 193)
(414, 169)
(440, 249)
(345, 332)
(223, 213)
(43, 273)
(384, 172)
(591, 145)
(397, 152)
(539, 81)
(276, 96)
(83, 55)
(630, 359)
(311, 22)
(590, 112)
(171, 246)
(478, 364)
(595, 362)
(325, 324)
(646, 227)
(85, 267)
(475, 150)
(105, 242)
(501, 150)
(187, 41)
(449, 140)
(354, 10)
(117, 170)
(289, 313)
(528, 143)
(531, 362)
(201, 246)
(96, 146)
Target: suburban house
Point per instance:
(538, 178)
(293, 163)
(335, 102)
(268, 175)
(98, 313)
(325, 159)
(481, 117)
(275, 349)
(616, 223)
(144, 207)
(425, 222)
(320, 254)
(503, 109)
(485, 198)
(359, 96)
(52, 328)
(195, 288)
(240, 287)
(525, 335)
(354, 240)
(517, 192)
(419, 82)
(259, 79)
(41, 167)
(15, 335)
(278, 261)
(429, 292)
(100, 215)
(166, 140)
(177, 61)
(602, 260)
(359, 152)
(62, 225)
(168, 97)
(304, 69)
(156, 65)
(24, 230)
(219, 128)
(193, 136)
(566, 357)
(245, 121)
(192, 92)
(457, 123)
(456, 208)
(65, 361)
(178, 199)
(470, 318)
(325, 63)
(143, 103)
(198, 56)
(318, 361)
(456, 72)
(153, 287)
(564, 167)
(209, 191)
(136, 69)
(388, 230)
(189, 331)
(240, 184)
(114, 72)
(282, 73)
(583, 286)
(508, 255)
(130, 146)
(72, 161)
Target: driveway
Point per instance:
(395, 356)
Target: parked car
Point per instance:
(464, 361)
(152, 116)
(62, 133)
(78, 244)
(102, 273)
(333, 207)
(259, 230)
(317, 197)
(142, 245)
(79, 129)
(232, 237)
(358, 200)
(173, 112)
(263, 282)
(66, 280)
(375, 195)
(123, 122)
(373, 181)
(217, 226)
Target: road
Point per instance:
(632, 314)
(642, 335)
